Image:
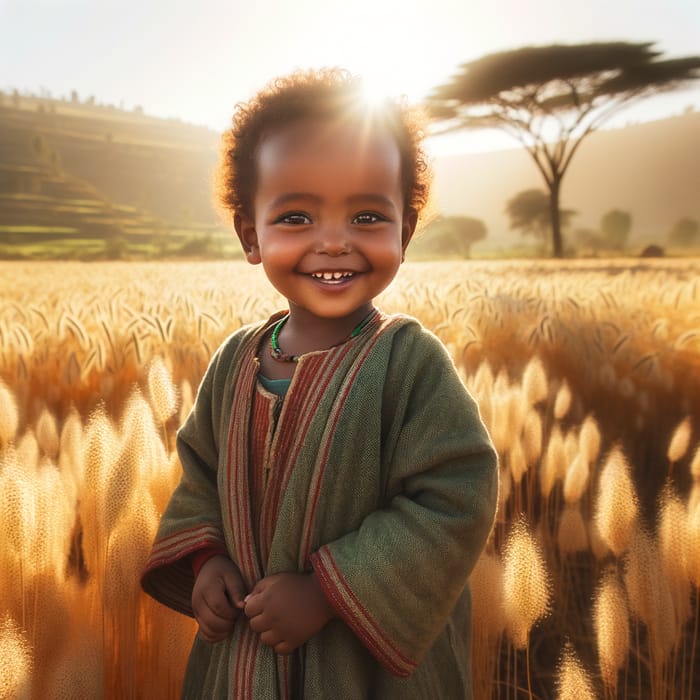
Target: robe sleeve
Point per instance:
(191, 521)
(396, 579)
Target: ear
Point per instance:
(245, 228)
(408, 228)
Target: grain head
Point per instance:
(9, 416)
(129, 546)
(617, 505)
(612, 627)
(161, 390)
(572, 679)
(562, 402)
(534, 382)
(526, 583)
(576, 480)
(649, 596)
(15, 662)
(551, 465)
(102, 449)
(47, 434)
(680, 441)
(517, 461)
(589, 439)
(674, 546)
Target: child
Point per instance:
(338, 484)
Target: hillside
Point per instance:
(82, 171)
(651, 170)
(78, 178)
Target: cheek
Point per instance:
(388, 252)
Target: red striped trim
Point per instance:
(372, 636)
(315, 373)
(184, 537)
(284, 672)
(235, 478)
(263, 409)
(243, 671)
(315, 487)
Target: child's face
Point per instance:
(330, 226)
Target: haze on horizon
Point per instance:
(195, 64)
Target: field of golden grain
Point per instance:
(587, 375)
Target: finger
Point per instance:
(235, 590)
(212, 635)
(214, 626)
(252, 604)
(219, 604)
(259, 624)
(271, 638)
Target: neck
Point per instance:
(305, 332)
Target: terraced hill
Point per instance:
(84, 181)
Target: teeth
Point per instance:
(331, 276)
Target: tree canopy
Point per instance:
(551, 97)
(529, 213)
(449, 236)
(615, 226)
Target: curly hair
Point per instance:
(327, 94)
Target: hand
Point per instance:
(217, 598)
(287, 609)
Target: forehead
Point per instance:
(318, 147)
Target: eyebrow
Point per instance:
(287, 197)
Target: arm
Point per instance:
(192, 519)
(396, 578)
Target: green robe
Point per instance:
(386, 484)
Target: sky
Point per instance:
(195, 60)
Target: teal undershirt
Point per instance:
(275, 386)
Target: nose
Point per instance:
(334, 240)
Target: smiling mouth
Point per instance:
(334, 277)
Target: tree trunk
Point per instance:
(557, 243)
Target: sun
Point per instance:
(375, 91)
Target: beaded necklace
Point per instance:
(278, 354)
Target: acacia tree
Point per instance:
(530, 214)
(551, 97)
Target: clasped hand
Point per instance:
(285, 609)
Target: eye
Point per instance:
(294, 218)
(368, 217)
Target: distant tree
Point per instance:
(551, 97)
(615, 227)
(529, 213)
(685, 232)
(15, 99)
(450, 236)
(74, 97)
